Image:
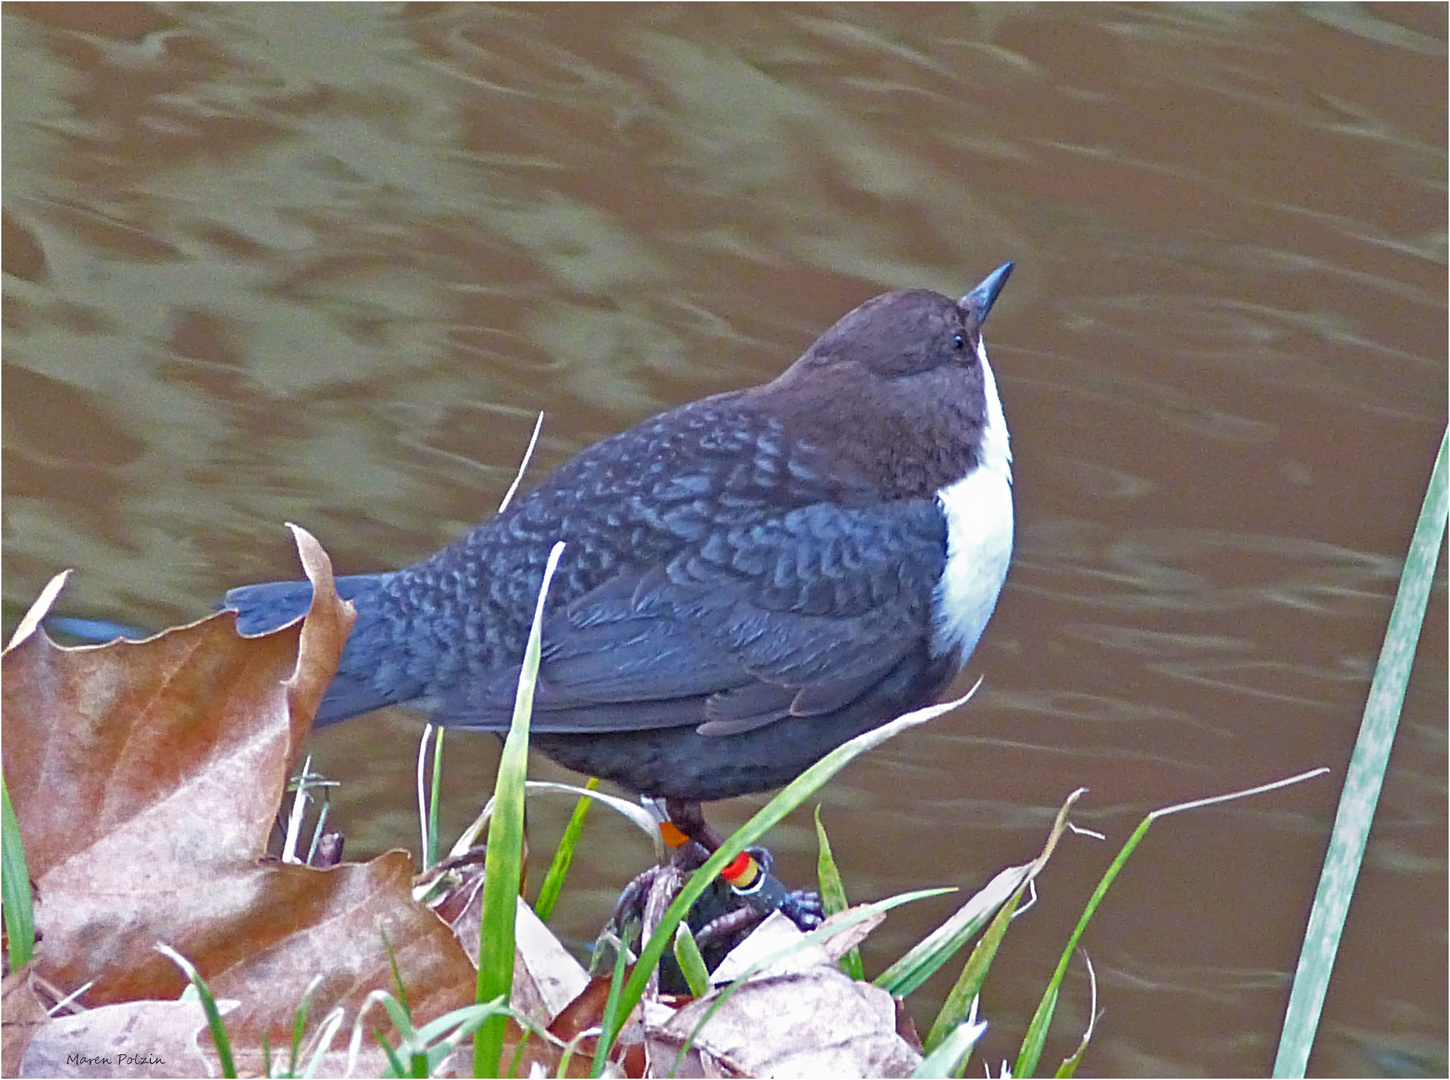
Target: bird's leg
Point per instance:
(685, 856)
(748, 874)
(688, 839)
(731, 906)
(689, 819)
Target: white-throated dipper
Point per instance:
(749, 580)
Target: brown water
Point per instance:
(324, 263)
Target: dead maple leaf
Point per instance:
(146, 777)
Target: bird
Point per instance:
(748, 580)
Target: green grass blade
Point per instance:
(1031, 1052)
(946, 1060)
(1070, 1065)
(1002, 894)
(402, 991)
(765, 819)
(927, 956)
(1363, 780)
(15, 886)
(959, 1003)
(464, 1019)
(299, 1026)
(426, 849)
(430, 854)
(396, 1068)
(426, 1048)
(407, 1036)
(564, 856)
(833, 896)
(692, 964)
(208, 1006)
(611, 1020)
(503, 861)
(321, 1042)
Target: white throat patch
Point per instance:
(978, 510)
(996, 447)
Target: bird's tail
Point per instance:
(263, 608)
(260, 609)
(93, 631)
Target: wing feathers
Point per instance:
(797, 615)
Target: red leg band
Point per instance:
(741, 871)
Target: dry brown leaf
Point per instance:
(799, 1016)
(462, 907)
(137, 1038)
(586, 1011)
(547, 980)
(146, 777)
(838, 942)
(371, 1061)
(23, 1013)
(546, 977)
(553, 976)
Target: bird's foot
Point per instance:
(722, 917)
(803, 907)
(689, 837)
(763, 891)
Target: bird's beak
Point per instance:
(981, 299)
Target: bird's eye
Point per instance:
(959, 342)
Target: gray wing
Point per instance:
(796, 615)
